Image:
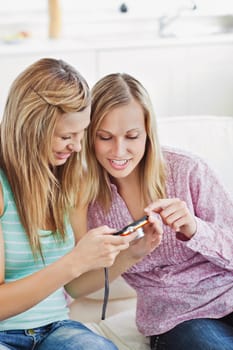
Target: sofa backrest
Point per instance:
(210, 137)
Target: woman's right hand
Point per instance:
(152, 238)
(99, 248)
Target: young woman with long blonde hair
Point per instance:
(45, 118)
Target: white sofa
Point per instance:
(208, 136)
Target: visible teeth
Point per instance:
(119, 162)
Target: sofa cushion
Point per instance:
(122, 330)
(119, 289)
(90, 310)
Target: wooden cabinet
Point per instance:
(182, 80)
(210, 80)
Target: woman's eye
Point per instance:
(66, 137)
(132, 137)
(104, 138)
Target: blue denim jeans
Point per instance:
(62, 335)
(198, 334)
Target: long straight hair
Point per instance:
(40, 95)
(110, 92)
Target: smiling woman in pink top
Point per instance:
(185, 285)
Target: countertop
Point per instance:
(108, 42)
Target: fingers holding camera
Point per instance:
(151, 239)
(154, 231)
(99, 248)
(155, 226)
(174, 213)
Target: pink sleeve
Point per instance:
(213, 209)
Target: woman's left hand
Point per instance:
(174, 213)
(151, 239)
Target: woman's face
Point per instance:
(68, 135)
(121, 140)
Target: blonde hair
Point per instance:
(39, 95)
(108, 93)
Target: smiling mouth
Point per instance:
(62, 155)
(119, 162)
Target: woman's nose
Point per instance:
(75, 146)
(119, 147)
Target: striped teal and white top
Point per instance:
(19, 263)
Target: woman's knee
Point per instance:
(99, 343)
(198, 334)
(68, 335)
